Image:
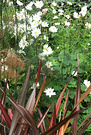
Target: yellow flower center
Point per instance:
(36, 32)
(50, 91)
(23, 43)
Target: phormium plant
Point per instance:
(21, 121)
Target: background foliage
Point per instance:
(65, 43)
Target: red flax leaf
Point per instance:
(75, 120)
(3, 95)
(29, 107)
(77, 97)
(84, 121)
(59, 101)
(69, 105)
(26, 130)
(80, 100)
(27, 116)
(10, 113)
(21, 101)
(54, 117)
(83, 96)
(41, 120)
(84, 128)
(58, 125)
(5, 115)
(31, 101)
(22, 96)
(38, 72)
(42, 126)
(11, 95)
(53, 129)
(40, 92)
(61, 132)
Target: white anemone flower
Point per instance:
(55, 17)
(83, 10)
(39, 4)
(29, 19)
(19, 3)
(46, 38)
(2, 60)
(57, 23)
(41, 56)
(19, 16)
(67, 23)
(4, 68)
(45, 24)
(39, 13)
(54, 11)
(75, 73)
(47, 50)
(28, 28)
(23, 13)
(34, 24)
(33, 86)
(36, 17)
(76, 15)
(21, 51)
(10, 3)
(88, 25)
(67, 16)
(31, 41)
(23, 43)
(49, 92)
(22, 28)
(48, 64)
(29, 6)
(36, 32)
(53, 29)
(87, 83)
(60, 11)
(54, 3)
(68, 2)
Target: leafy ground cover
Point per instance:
(59, 34)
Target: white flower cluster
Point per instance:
(34, 25)
(82, 12)
(47, 50)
